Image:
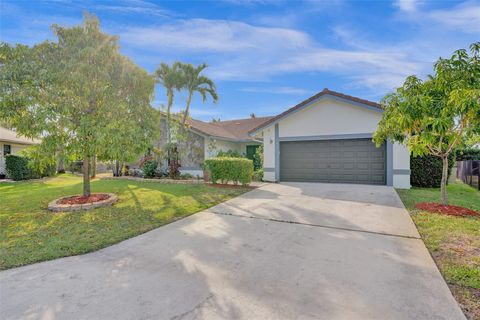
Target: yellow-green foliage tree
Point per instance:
(80, 95)
(435, 116)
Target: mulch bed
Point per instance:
(82, 199)
(448, 209)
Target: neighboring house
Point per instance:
(328, 138)
(11, 143)
(206, 139)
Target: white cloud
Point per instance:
(276, 90)
(465, 17)
(214, 36)
(194, 112)
(407, 5)
(241, 51)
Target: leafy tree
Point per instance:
(194, 82)
(435, 116)
(80, 95)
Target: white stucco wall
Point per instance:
(240, 147)
(330, 116)
(401, 165)
(269, 154)
(213, 146)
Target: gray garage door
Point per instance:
(339, 161)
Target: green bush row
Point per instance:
(18, 168)
(426, 171)
(236, 170)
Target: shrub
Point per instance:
(21, 168)
(17, 167)
(228, 154)
(258, 175)
(237, 170)
(426, 171)
(258, 158)
(468, 154)
(149, 168)
(135, 173)
(186, 176)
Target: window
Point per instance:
(7, 149)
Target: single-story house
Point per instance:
(206, 139)
(11, 143)
(328, 138)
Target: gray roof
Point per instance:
(236, 130)
(7, 135)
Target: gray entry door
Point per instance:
(338, 161)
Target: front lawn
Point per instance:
(454, 242)
(29, 233)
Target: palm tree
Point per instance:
(194, 82)
(172, 79)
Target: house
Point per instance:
(11, 143)
(328, 138)
(206, 139)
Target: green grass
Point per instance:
(459, 194)
(454, 242)
(29, 233)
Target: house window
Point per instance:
(7, 149)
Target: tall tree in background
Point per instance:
(194, 82)
(435, 116)
(79, 94)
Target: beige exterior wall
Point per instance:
(15, 148)
(329, 117)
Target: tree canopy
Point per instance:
(436, 115)
(78, 94)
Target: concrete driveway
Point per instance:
(283, 251)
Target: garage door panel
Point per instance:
(343, 161)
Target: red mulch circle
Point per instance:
(448, 209)
(82, 199)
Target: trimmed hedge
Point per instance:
(236, 170)
(426, 171)
(18, 168)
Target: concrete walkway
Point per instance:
(284, 251)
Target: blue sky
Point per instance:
(266, 56)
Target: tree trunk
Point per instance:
(93, 167)
(169, 108)
(86, 176)
(189, 100)
(443, 185)
(115, 172)
(61, 165)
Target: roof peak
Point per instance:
(325, 91)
